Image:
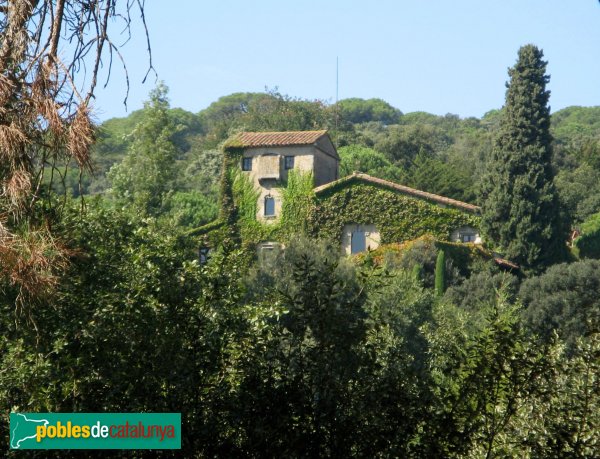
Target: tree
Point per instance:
(589, 242)
(520, 203)
(401, 144)
(565, 299)
(45, 121)
(433, 175)
(148, 172)
(355, 158)
(579, 191)
(356, 110)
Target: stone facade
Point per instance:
(269, 166)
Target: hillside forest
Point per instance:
(410, 351)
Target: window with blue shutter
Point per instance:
(269, 206)
(358, 242)
(246, 164)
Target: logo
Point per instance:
(95, 430)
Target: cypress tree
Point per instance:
(520, 207)
(440, 273)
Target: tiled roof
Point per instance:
(275, 139)
(504, 263)
(402, 189)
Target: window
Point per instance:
(289, 162)
(469, 237)
(269, 206)
(246, 164)
(268, 252)
(203, 254)
(358, 242)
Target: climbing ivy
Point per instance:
(397, 217)
(245, 198)
(298, 202)
(231, 157)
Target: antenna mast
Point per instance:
(337, 88)
(337, 78)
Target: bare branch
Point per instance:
(46, 120)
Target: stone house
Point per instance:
(263, 195)
(269, 157)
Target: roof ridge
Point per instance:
(282, 132)
(250, 139)
(402, 188)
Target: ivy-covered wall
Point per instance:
(298, 200)
(397, 217)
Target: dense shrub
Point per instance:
(565, 299)
(588, 244)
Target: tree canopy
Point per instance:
(355, 110)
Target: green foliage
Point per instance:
(438, 177)
(201, 171)
(421, 254)
(565, 299)
(245, 199)
(225, 113)
(270, 111)
(573, 124)
(397, 217)
(355, 110)
(417, 272)
(115, 138)
(112, 144)
(482, 287)
(579, 191)
(279, 112)
(588, 243)
(401, 144)
(87, 348)
(559, 417)
(418, 256)
(190, 208)
(355, 158)
(308, 355)
(297, 195)
(440, 273)
(298, 201)
(484, 372)
(521, 211)
(147, 174)
(298, 371)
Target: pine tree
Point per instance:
(520, 204)
(147, 174)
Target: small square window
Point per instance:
(269, 206)
(289, 162)
(246, 164)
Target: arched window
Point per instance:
(269, 206)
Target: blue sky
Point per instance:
(437, 56)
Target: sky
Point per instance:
(437, 56)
